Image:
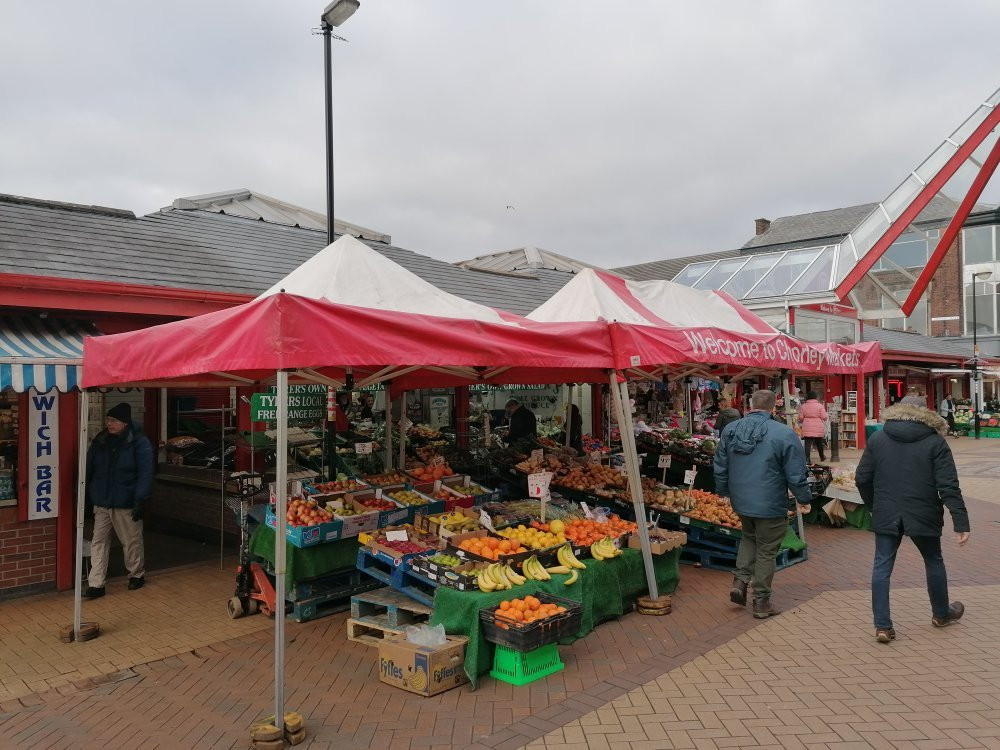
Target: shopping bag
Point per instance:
(835, 512)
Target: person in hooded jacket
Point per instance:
(812, 418)
(757, 463)
(119, 479)
(907, 476)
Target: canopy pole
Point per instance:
(689, 404)
(619, 398)
(280, 511)
(402, 429)
(388, 431)
(83, 419)
(786, 395)
(569, 400)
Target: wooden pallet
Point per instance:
(315, 607)
(370, 630)
(716, 560)
(400, 610)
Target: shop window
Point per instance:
(809, 327)
(8, 448)
(985, 298)
(978, 244)
(842, 332)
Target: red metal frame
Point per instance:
(949, 234)
(910, 213)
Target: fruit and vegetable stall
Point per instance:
(507, 576)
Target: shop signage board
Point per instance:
(43, 454)
(305, 402)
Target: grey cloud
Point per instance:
(620, 132)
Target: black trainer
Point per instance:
(93, 592)
(136, 583)
(955, 612)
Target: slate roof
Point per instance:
(198, 249)
(525, 258)
(915, 343)
(253, 205)
(669, 268)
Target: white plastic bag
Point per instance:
(426, 635)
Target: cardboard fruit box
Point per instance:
(397, 515)
(423, 670)
(660, 540)
(308, 536)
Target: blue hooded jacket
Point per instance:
(120, 469)
(756, 464)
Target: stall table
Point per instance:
(306, 562)
(606, 589)
(859, 516)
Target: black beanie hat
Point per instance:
(122, 412)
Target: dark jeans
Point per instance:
(755, 559)
(818, 442)
(886, 546)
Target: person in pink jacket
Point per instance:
(812, 418)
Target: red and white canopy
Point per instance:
(350, 307)
(657, 323)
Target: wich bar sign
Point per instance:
(305, 402)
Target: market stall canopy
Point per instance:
(349, 308)
(655, 324)
(348, 272)
(41, 353)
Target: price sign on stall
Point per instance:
(363, 448)
(437, 461)
(689, 476)
(663, 462)
(595, 457)
(587, 513)
(405, 423)
(538, 484)
(537, 455)
(485, 521)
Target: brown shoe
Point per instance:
(884, 635)
(955, 612)
(738, 593)
(762, 608)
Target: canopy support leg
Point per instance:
(280, 510)
(619, 399)
(83, 419)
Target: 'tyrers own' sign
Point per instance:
(43, 454)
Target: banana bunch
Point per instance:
(534, 570)
(604, 549)
(571, 562)
(497, 577)
(458, 522)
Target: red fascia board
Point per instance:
(22, 290)
(888, 357)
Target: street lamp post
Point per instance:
(984, 275)
(334, 15)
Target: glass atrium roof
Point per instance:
(818, 271)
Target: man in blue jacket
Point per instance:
(119, 477)
(758, 462)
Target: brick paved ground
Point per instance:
(698, 678)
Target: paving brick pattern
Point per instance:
(705, 676)
(814, 677)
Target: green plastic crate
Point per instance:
(521, 667)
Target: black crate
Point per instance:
(529, 636)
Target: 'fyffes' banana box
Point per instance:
(422, 669)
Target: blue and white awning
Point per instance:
(41, 353)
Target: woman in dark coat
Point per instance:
(908, 476)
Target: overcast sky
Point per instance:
(619, 132)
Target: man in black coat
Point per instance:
(521, 420)
(908, 476)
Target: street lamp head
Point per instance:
(339, 11)
(982, 275)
